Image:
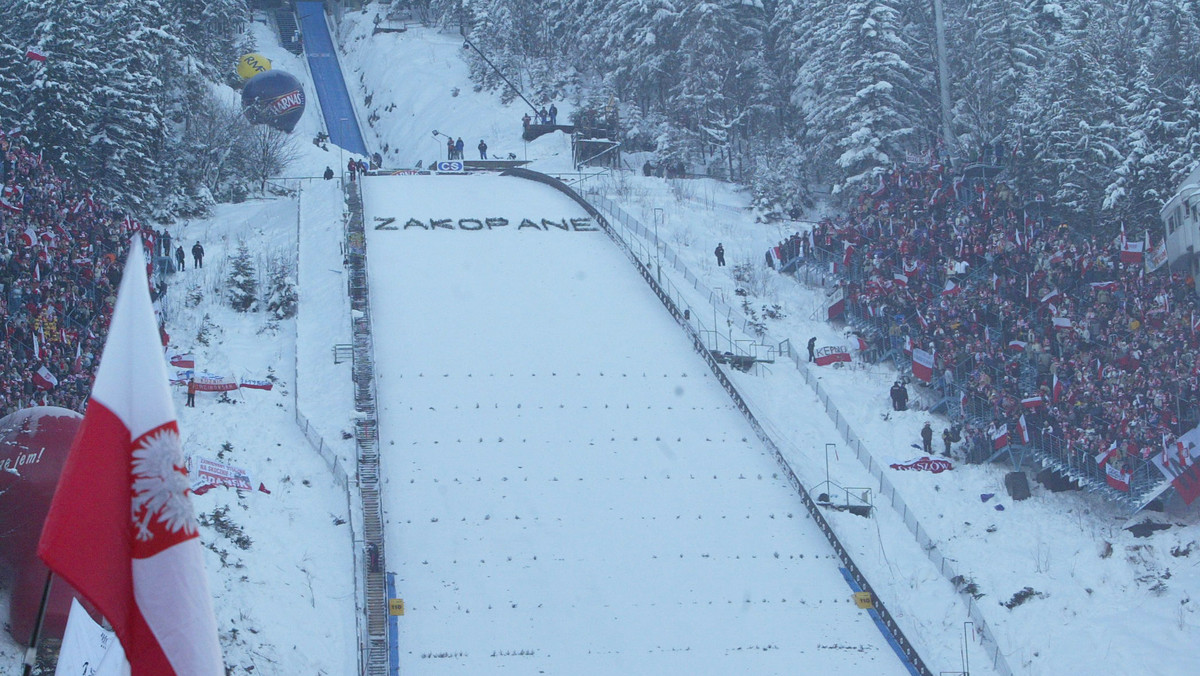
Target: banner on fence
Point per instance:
(831, 354)
(215, 384)
(207, 473)
(922, 364)
(1179, 463)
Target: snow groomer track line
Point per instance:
(567, 485)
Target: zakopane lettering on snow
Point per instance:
(485, 224)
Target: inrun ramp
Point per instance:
(336, 107)
(567, 488)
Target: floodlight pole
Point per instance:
(31, 653)
(939, 22)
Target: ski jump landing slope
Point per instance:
(567, 488)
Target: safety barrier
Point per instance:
(905, 647)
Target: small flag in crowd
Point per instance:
(1032, 402)
(951, 288)
(1057, 389)
(1022, 429)
(1000, 437)
(121, 529)
(1018, 345)
(44, 379)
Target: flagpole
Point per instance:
(31, 653)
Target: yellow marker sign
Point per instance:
(863, 600)
(395, 606)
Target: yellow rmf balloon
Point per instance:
(252, 64)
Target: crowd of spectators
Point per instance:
(1024, 316)
(60, 266)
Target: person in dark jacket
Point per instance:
(927, 438)
(899, 397)
(458, 148)
(197, 255)
(720, 253)
(328, 173)
(553, 114)
(180, 258)
(812, 347)
(482, 150)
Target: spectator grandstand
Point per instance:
(1024, 317)
(60, 265)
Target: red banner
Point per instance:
(831, 354)
(218, 384)
(925, 464)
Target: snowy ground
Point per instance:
(569, 490)
(1102, 601)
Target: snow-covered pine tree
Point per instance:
(996, 50)
(61, 106)
(15, 72)
(636, 43)
(282, 299)
(242, 283)
(1163, 134)
(882, 95)
(1072, 117)
(718, 91)
(130, 137)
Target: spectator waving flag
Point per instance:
(1057, 389)
(1000, 437)
(121, 529)
(1051, 296)
(1116, 474)
(12, 198)
(44, 379)
(1023, 429)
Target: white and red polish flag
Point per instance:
(121, 529)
